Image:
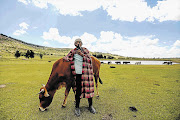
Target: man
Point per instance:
(81, 66)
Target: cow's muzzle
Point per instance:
(42, 109)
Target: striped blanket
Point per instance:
(87, 82)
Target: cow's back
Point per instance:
(96, 65)
(63, 68)
(61, 73)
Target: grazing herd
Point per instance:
(136, 63)
(117, 62)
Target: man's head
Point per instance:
(78, 42)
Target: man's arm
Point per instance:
(86, 53)
(69, 57)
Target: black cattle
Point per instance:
(109, 63)
(138, 63)
(167, 63)
(126, 62)
(118, 62)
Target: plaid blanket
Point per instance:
(87, 82)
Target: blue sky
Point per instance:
(133, 28)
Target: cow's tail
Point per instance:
(100, 80)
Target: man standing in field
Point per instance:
(81, 66)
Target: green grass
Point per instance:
(153, 89)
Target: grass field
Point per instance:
(153, 89)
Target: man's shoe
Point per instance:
(77, 112)
(92, 110)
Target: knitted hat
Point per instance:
(77, 40)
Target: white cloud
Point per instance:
(137, 46)
(53, 35)
(177, 44)
(115, 43)
(74, 7)
(46, 43)
(106, 37)
(23, 1)
(40, 3)
(87, 39)
(19, 32)
(123, 10)
(166, 10)
(128, 10)
(23, 27)
(131, 10)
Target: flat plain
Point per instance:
(154, 90)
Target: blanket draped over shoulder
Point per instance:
(87, 82)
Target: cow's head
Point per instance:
(45, 98)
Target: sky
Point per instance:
(130, 28)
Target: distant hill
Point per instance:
(9, 45)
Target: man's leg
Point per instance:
(90, 102)
(78, 94)
(91, 108)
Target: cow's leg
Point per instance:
(96, 81)
(66, 95)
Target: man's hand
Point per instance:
(64, 60)
(79, 52)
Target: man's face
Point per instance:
(78, 43)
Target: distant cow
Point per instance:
(102, 62)
(167, 63)
(109, 63)
(112, 67)
(118, 62)
(126, 62)
(61, 76)
(138, 63)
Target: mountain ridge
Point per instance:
(10, 45)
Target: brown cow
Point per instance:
(61, 76)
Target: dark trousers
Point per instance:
(78, 91)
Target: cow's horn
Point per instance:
(42, 90)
